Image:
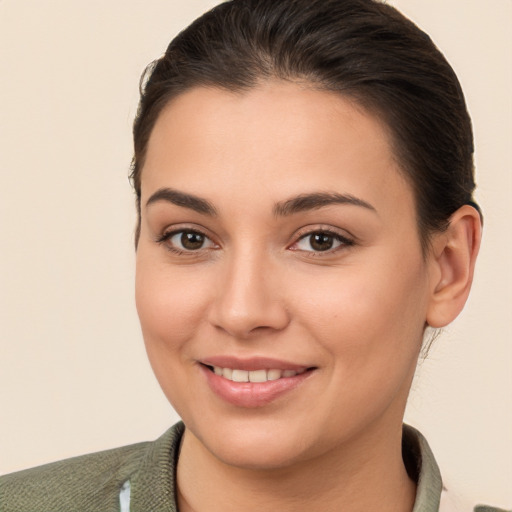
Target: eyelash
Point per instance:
(167, 236)
(344, 242)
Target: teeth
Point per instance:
(240, 376)
(274, 374)
(236, 375)
(258, 376)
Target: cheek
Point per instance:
(171, 307)
(170, 303)
(370, 316)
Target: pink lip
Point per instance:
(252, 394)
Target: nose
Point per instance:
(249, 298)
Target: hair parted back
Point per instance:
(362, 49)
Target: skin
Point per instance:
(356, 313)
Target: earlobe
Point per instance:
(453, 257)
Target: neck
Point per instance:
(364, 474)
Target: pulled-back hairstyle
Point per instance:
(364, 50)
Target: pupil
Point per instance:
(321, 241)
(192, 240)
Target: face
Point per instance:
(281, 286)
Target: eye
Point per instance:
(186, 240)
(321, 241)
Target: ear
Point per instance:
(452, 265)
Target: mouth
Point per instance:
(256, 376)
(253, 383)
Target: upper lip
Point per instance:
(252, 363)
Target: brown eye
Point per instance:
(321, 241)
(191, 240)
(186, 241)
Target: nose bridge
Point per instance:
(248, 296)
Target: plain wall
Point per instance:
(73, 372)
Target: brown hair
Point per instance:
(362, 49)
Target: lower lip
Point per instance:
(252, 394)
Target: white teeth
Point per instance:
(274, 374)
(255, 375)
(258, 376)
(240, 376)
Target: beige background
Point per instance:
(73, 372)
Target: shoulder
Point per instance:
(451, 501)
(86, 483)
(433, 493)
(486, 508)
(72, 484)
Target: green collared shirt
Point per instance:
(142, 477)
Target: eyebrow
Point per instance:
(300, 203)
(184, 200)
(305, 202)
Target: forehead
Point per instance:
(279, 138)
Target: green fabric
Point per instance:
(485, 508)
(91, 483)
(430, 485)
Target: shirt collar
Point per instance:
(154, 483)
(422, 467)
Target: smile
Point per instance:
(253, 383)
(237, 375)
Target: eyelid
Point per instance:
(323, 228)
(182, 226)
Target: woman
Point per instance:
(304, 181)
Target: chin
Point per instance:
(258, 445)
(256, 455)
